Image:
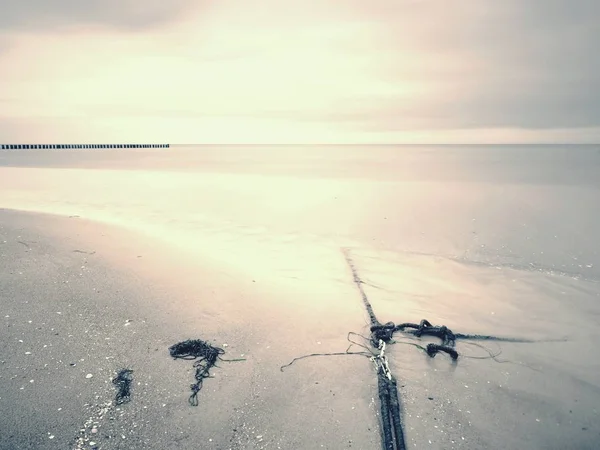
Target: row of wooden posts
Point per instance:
(59, 146)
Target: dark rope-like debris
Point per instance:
(381, 334)
(123, 382)
(448, 337)
(391, 423)
(386, 333)
(206, 356)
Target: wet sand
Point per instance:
(253, 261)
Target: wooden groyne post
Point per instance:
(78, 146)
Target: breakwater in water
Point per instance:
(75, 146)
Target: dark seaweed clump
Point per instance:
(206, 357)
(123, 382)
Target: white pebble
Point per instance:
(89, 375)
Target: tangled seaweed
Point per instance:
(206, 356)
(386, 332)
(123, 382)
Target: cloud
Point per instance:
(381, 68)
(125, 15)
(515, 63)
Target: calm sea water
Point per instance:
(533, 207)
(522, 209)
(531, 164)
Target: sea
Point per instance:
(498, 240)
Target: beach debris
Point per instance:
(123, 382)
(89, 375)
(382, 334)
(385, 333)
(392, 434)
(391, 423)
(206, 357)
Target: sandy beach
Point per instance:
(124, 306)
(105, 263)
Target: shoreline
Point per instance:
(245, 400)
(316, 403)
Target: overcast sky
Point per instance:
(292, 71)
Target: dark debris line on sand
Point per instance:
(381, 335)
(391, 423)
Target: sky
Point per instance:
(300, 71)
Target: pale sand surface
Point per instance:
(70, 307)
(490, 245)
